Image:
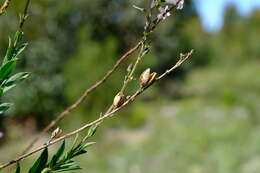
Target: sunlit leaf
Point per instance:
(4, 107)
(40, 163)
(14, 80)
(92, 130)
(20, 49)
(10, 51)
(7, 69)
(58, 154)
(18, 168)
(18, 36)
(85, 146)
(68, 168)
(1, 91)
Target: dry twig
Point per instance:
(105, 116)
(4, 6)
(24, 15)
(84, 95)
(97, 84)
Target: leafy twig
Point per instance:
(84, 95)
(60, 161)
(183, 57)
(69, 109)
(15, 48)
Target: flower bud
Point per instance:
(119, 100)
(152, 78)
(147, 78)
(56, 133)
(129, 68)
(1, 134)
(144, 78)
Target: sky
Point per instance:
(212, 11)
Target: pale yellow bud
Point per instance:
(144, 78)
(152, 78)
(56, 133)
(119, 100)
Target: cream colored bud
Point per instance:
(152, 78)
(56, 133)
(144, 78)
(119, 100)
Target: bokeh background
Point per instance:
(203, 118)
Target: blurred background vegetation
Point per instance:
(204, 118)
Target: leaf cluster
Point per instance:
(60, 161)
(8, 81)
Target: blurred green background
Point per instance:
(203, 118)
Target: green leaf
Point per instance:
(4, 107)
(68, 168)
(1, 91)
(7, 69)
(46, 170)
(10, 51)
(85, 146)
(92, 130)
(80, 152)
(75, 141)
(14, 80)
(18, 168)
(40, 163)
(20, 49)
(58, 154)
(60, 150)
(18, 36)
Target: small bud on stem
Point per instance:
(56, 133)
(147, 78)
(119, 100)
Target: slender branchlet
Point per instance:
(147, 79)
(24, 15)
(148, 29)
(130, 99)
(4, 7)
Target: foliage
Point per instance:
(70, 35)
(7, 81)
(61, 161)
(215, 129)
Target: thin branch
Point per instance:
(25, 15)
(107, 115)
(183, 57)
(96, 85)
(84, 95)
(4, 7)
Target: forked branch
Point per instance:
(183, 57)
(69, 109)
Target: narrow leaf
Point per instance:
(14, 80)
(18, 36)
(18, 168)
(92, 130)
(71, 168)
(4, 107)
(20, 49)
(7, 69)
(10, 51)
(85, 146)
(75, 141)
(58, 154)
(79, 153)
(1, 91)
(40, 163)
